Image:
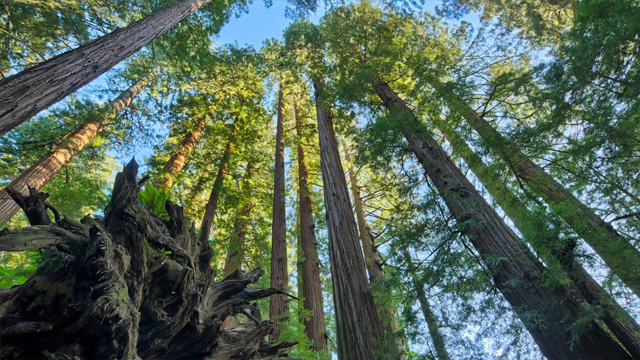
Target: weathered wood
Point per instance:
(129, 287)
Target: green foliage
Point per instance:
(557, 78)
(16, 268)
(154, 199)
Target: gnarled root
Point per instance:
(129, 286)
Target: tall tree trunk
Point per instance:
(25, 94)
(371, 254)
(547, 310)
(622, 257)
(39, 174)
(127, 286)
(278, 308)
(357, 323)
(432, 323)
(314, 324)
(216, 190)
(235, 253)
(545, 242)
(179, 156)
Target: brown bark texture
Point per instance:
(618, 253)
(39, 174)
(216, 190)
(278, 307)
(372, 256)
(129, 286)
(179, 157)
(544, 241)
(25, 94)
(235, 252)
(357, 323)
(309, 266)
(547, 310)
(432, 323)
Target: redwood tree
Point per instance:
(543, 307)
(616, 251)
(25, 94)
(39, 174)
(235, 252)
(314, 324)
(179, 156)
(278, 308)
(216, 190)
(357, 322)
(539, 233)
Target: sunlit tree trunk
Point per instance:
(547, 310)
(622, 257)
(216, 190)
(357, 322)
(178, 158)
(371, 254)
(235, 252)
(278, 308)
(27, 93)
(311, 285)
(429, 317)
(545, 242)
(39, 174)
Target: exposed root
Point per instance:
(130, 286)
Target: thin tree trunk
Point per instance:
(314, 324)
(39, 174)
(278, 308)
(371, 254)
(545, 242)
(622, 257)
(235, 253)
(547, 310)
(429, 317)
(216, 190)
(25, 94)
(179, 157)
(357, 323)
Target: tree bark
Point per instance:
(314, 325)
(235, 253)
(130, 286)
(39, 174)
(179, 157)
(278, 308)
(357, 323)
(216, 190)
(620, 255)
(25, 94)
(432, 323)
(545, 242)
(371, 255)
(547, 310)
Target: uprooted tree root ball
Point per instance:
(129, 286)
